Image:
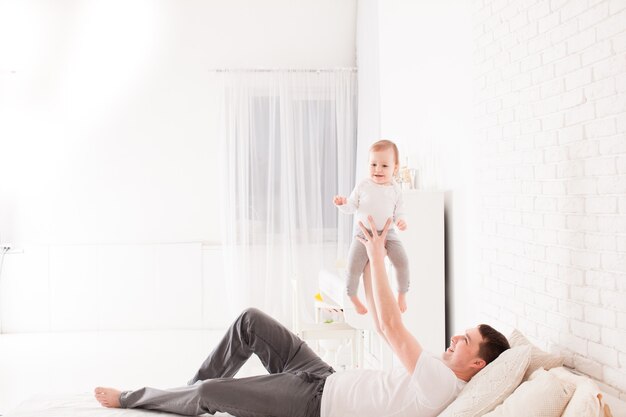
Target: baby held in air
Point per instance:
(378, 196)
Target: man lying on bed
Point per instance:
(300, 384)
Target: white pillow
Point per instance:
(543, 395)
(492, 385)
(585, 401)
(538, 358)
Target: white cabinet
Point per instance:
(423, 242)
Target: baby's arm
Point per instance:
(399, 212)
(347, 205)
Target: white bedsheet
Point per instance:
(78, 405)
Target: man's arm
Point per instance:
(402, 342)
(371, 304)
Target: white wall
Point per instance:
(108, 108)
(551, 107)
(535, 163)
(368, 123)
(108, 149)
(423, 56)
(425, 52)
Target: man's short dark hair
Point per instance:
(493, 344)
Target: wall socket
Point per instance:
(8, 249)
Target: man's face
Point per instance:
(462, 355)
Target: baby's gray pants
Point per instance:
(293, 388)
(357, 259)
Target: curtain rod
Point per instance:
(281, 70)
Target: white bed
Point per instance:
(77, 405)
(74, 363)
(53, 374)
(85, 405)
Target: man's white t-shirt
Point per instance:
(393, 393)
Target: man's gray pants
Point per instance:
(357, 259)
(292, 389)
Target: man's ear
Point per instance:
(479, 363)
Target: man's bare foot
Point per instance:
(358, 305)
(108, 397)
(402, 301)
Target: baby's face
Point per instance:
(382, 165)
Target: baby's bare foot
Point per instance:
(358, 305)
(108, 397)
(402, 302)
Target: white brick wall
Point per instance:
(551, 131)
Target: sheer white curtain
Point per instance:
(288, 142)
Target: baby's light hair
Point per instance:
(383, 144)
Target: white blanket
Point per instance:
(78, 405)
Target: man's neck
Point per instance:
(463, 375)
